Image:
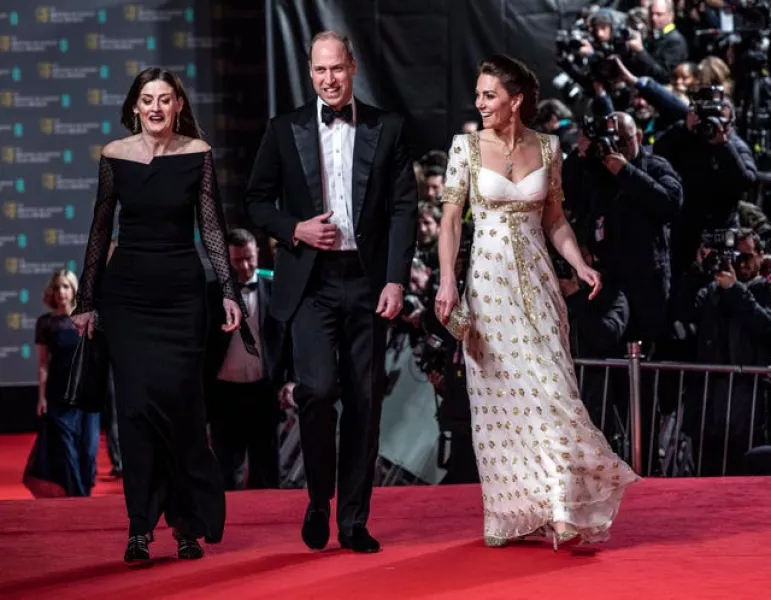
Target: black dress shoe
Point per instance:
(359, 540)
(315, 530)
(137, 549)
(189, 549)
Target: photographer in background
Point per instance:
(716, 167)
(665, 47)
(622, 199)
(730, 318)
(597, 328)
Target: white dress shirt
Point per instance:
(239, 366)
(336, 150)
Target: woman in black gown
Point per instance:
(151, 300)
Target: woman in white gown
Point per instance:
(545, 469)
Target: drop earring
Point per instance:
(136, 123)
(177, 126)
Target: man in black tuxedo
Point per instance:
(346, 223)
(242, 389)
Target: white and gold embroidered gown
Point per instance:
(541, 461)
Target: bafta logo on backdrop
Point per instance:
(43, 14)
(5, 43)
(130, 12)
(13, 320)
(12, 265)
(92, 41)
(8, 155)
(50, 237)
(47, 126)
(6, 99)
(49, 181)
(95, 152)
(45, 70)
(9, 210)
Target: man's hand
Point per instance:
(317, 232)
(232, 316)
(635, 43)
(390, 303)
(726, 279)
(614, 162)
(286, 396)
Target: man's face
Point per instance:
(244, 260)
(434, 188)
(603, 32)
(660, 16)
(749, 262)
(428, 229)
(332, 72)
(629, 143)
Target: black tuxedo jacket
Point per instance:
(273, 343)
(288, 170)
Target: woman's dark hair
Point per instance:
(516, 78)
(188, 125)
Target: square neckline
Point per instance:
(501, 175)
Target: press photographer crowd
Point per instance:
(663, 121)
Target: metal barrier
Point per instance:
(671, 425)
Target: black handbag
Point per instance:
(89, 374)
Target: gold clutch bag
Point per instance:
(459, 323)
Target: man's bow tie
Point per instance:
(252, 285)
(329, 114)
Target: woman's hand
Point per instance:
(590, 276)
(84, 323)
(232, 316)
(445, 301)
(42, 406)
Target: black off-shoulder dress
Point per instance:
(151, 299)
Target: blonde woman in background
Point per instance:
(63, 459)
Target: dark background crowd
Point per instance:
(663, 118)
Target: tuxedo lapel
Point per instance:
(364, 146)
(306, 137)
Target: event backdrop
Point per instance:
(65, 68)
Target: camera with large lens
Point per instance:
(602, 67)
(708, 104)
(602, 132)
(721, 244)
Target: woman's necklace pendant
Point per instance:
(509, 168)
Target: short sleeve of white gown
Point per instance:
(456, 184)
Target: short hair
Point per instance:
(516, 78)
(435, 171)
(432, 210)
(332, 35)
(48, 292)
(240, 238)
(745, 233)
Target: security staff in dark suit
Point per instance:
(346, 223)
(242, 389)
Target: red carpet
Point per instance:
(675, 539)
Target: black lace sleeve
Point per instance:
(98, 239)
(211, 222)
